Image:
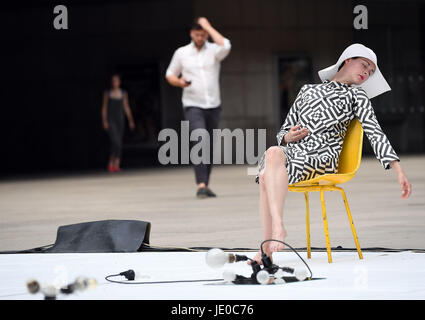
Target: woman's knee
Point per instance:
(275, 154)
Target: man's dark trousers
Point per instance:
(208, 119)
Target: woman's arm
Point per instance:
(381, 146)
(406, 187)
(289, 130)
(127, 111)
(104, 111)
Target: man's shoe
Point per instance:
(202, 193)
(210, 193)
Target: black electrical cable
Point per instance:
(33, 250)
(148, 247)
(271, 240)
(126, 273)
(313, 249)
(157, 282)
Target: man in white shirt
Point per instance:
(196, 68)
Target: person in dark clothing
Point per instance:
(115, 107)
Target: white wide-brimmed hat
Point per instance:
(375, 85)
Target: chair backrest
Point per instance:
(351, 153)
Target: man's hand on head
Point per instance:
(204, 23)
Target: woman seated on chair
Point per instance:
(311, 137)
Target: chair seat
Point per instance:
(326, 179)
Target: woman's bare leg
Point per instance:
(111, 160)
(276, 185)
(266, 219)
(117, 163)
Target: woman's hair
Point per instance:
(342, 64)
(115, 75)
(112, 76)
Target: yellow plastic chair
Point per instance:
(349, 162)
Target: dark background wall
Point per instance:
(52, 80)
(397, 31)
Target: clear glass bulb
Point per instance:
(279, 274)
(80, 283)
(50, 291)
(33, 286)
(83, 283)
(216, 258)
(263, 277)
(301, 274)
(229, 276)
(92, 283)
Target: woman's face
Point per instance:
(115, 82)
(359, 69)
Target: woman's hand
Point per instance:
(406, 187)
(105, 125)
(294, 134)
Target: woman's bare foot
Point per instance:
(257, 258)
(272, 246)
(277, 234)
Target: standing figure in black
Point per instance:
(115, 107)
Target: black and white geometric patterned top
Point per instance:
(326, 109)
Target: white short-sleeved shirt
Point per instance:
(202, 68)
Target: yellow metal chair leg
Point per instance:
(307, 222)
(325, 224)
(353, 229)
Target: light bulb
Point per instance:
(83, 283)
(279, 274)
(49, 291)
(91, 283)
(80, 283)
(263, 277)
(229, 276)
(279, 281)
(33, 286)
(301, 274)
(216, 258)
